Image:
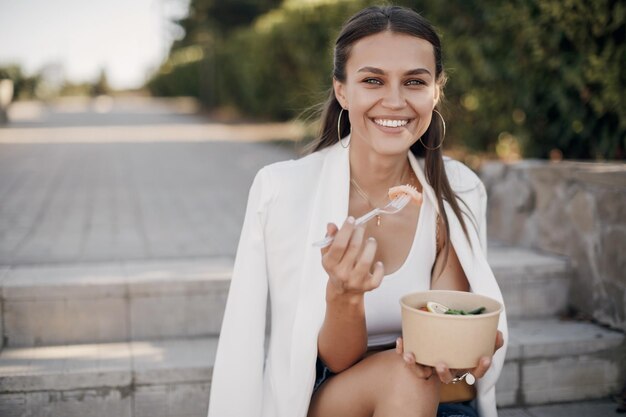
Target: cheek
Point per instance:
(424, 102)
(363, 98)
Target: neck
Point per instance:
(376, 173)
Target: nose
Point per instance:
(393, 98)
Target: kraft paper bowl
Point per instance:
(458, 341)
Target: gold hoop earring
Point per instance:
(443, 122)
(339, 130)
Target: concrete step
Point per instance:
(548, 361)
(533, 284)
(596, 408)
(56, 305)
(59, 305)
(151, 379)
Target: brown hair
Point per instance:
(370, 21)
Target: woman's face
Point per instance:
(390, 91)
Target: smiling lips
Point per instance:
(392, 122)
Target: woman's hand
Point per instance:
(422, 371)
(348, 260)
(445, 374)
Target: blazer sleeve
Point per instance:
(237, 382)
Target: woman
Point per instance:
(334, 312)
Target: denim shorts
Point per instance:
(464, 409)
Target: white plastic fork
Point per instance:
(393, 207)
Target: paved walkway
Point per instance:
(69, 195)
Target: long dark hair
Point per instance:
(370, 21)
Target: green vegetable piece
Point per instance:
(476, 311)
(479, 310)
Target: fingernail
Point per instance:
(350, 220)
(487, 363)
(371, 239)
(397, 344)
(406, 358)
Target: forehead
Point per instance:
(391, 52)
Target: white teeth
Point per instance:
(391, 123)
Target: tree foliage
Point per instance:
(528, 76)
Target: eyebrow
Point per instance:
(416, 71)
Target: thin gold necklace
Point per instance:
(363, 194)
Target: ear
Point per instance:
(340, 93)
(438, 89)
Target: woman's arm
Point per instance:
(342, 340)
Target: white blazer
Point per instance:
(289, 205)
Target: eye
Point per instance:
(373, 81)
(415, 82)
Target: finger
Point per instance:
(499, 340)
(377, 277)
(399, 346)
(364, 263)
(422, 371)
(483, 366)
(354, 248)
(340, 242)
(425, 371)
(331, 231)
(444, 373)
(410, 362)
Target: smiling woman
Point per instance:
(336, 348)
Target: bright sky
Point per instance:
(128, 38)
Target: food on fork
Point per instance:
(407, 189)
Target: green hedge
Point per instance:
(527, 76)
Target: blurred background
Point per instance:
(528, 78)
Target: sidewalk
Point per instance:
(72, 200)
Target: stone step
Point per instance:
(56, 305)
(548, 361)
(139, 379)
(551, 360)
(65, 305)
(533, 284)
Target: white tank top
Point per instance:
(382, 305)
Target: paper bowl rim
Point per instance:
(404, 305)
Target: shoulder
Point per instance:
(462, 179)
(298, 167)
(291, 177)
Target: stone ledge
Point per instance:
(554, 338)
(109, 365)
(65, 305)
(515, 259)
(110, 280)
